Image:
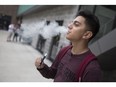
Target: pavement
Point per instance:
(17, 62)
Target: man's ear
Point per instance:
(87, 35)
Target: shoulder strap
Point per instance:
(64, 51)
(84, 64)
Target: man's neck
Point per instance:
(79, 48)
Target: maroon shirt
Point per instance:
(65, 70)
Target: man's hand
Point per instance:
(37, 63)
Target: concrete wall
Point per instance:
(104, 44)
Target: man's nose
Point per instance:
(70, 25)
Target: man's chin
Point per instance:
(68, 38)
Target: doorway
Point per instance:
(5, 21)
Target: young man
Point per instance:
(80, 31)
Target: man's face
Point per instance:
(76, 29)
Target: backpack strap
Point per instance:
(84, 64)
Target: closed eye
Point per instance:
(76, 23)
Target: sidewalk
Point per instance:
(17, 62)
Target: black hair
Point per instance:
(91, 21)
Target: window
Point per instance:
(60, 22)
